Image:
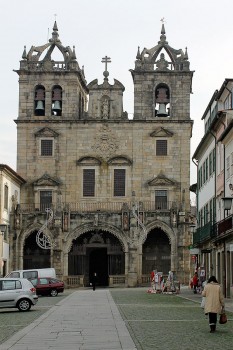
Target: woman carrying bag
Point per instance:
(214, 301)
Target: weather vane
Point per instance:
(55, 16)
(162, 20)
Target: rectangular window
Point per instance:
(206, 169)
(161, 147)
(214, 157)
(211, 210)
(204, 177)
(161, 199)
(199, 179)
(214, 210)
(119, 183)
(11, 285)
(46, 148)
(202, 217)
(6, 197)
(45, 200)
(210, 163)
(206, 217)
(201, 183)
(88, 182)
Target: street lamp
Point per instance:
(3, 229)
(227, 202)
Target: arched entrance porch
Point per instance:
(96, 251)
(33, 255)
(156, 252)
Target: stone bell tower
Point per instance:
(52, 93)
(162, 83)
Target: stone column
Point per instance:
(133, 273)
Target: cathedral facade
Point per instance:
(103, 193)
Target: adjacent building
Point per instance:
(103, 193)
(214, 160)
(10, 183)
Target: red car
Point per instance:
(47, 286)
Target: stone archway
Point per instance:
(96, 251)
(33, 255)
(156, 252)
(161, 235)
(28, 253)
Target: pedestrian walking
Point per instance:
(195, 282)
(94, 280)
(214, 301)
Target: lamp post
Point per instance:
(227, 202)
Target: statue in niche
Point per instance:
(162, 64)
(105, 109)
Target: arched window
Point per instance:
(39, 101)
(162, 101)
(57, 100)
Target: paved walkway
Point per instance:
(85, 320)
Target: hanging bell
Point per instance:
(56, 106)
(40, 106)
(162, 110)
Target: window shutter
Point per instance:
(45, 200)
(161, 199)
(161, 147)
(46, 147)
(119, 182)
(88, 182)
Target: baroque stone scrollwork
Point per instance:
(106, 143)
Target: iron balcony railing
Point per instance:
(203, 233)
(216, 231)
(224, 226)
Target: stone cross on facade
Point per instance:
(106, 60)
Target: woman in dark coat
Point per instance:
(214, 301)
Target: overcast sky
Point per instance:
(116, 28)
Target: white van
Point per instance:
(32, 273)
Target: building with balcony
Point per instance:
(103, 193)
(214, 160)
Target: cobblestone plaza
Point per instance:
(83, 319)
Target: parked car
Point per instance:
(48, 286)
(33, 273)
(17, 293)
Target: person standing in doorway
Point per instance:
(214, 301)
(94, 280)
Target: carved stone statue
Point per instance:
(105, 109)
